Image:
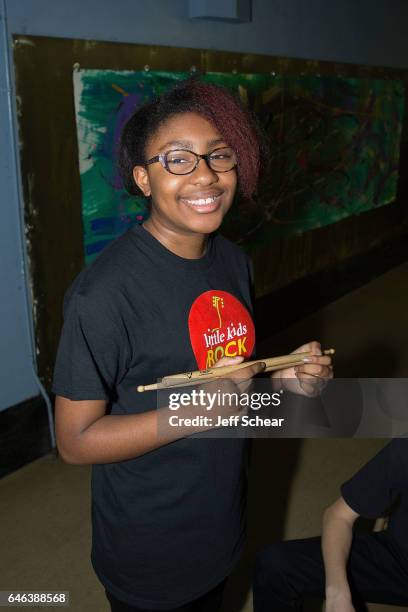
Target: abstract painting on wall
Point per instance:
(334, 150)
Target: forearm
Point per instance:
(114, 438)
(85, 435)
(336, 543)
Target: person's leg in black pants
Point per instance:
(286, 573)
(210, 602)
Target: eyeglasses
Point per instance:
(183, 161)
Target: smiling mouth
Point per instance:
(202, 201)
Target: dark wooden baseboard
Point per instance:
(24, 434)
(276, 311)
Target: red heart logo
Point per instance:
(219, 325)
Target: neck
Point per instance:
(188, 245)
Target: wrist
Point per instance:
(339, 591)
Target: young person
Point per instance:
(167, 511)
(345, 569)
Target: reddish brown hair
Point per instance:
(219, 106)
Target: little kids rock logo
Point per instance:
(219, 325)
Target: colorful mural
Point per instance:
(334, 150)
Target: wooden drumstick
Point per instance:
(198, 376)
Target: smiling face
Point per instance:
(193, 203)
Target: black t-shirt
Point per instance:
(381, 486)
(168, 525)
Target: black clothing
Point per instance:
(288, 572)
(210, 602)
(167, 525)
(380, 488)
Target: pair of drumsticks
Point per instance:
(198, 376)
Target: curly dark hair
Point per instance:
(219, 106)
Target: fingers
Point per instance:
(247, 373)
(313, 377)
(314, 369)
(314, 374)
(324, 374)
(310, 389)
(237, 380)
(312, 384)
(228, 361)
(314, 347)
(323, 360)
(243, 373)
(243, 377)
(315, 365)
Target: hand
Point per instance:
(241, 378)
(310, 378)
(212, 404)
(232, 385)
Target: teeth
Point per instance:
(202, 201)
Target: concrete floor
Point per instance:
(45, 506)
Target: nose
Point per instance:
(203, 174)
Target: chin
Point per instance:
(206, 225)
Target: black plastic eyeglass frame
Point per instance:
(162, 158)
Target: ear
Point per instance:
(141, 179)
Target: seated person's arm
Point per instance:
(338, 521)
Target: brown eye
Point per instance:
(223, 159)
(180, 162)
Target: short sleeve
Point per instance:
(374, 488)
(91, 356)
